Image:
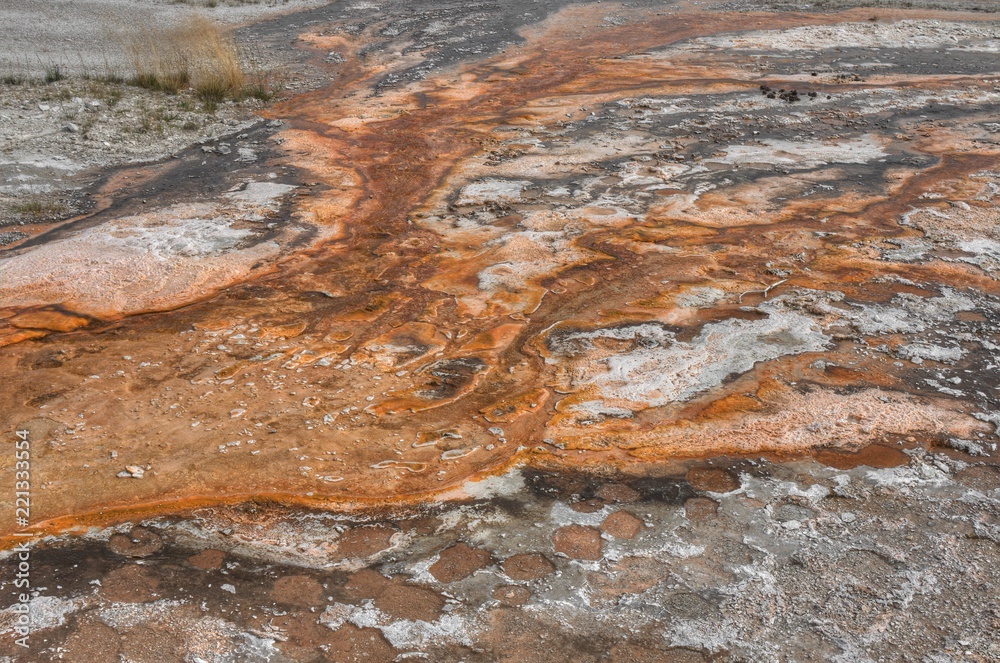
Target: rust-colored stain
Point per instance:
(519, 260)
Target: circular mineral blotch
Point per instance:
(527, 566)
(700, 508)
(622, 525)
(350, 643)
(297, 590)
(712, 479)
(458, 561)
(578, 542)
(618, 492)
(140, 542)
(207, 560)
(365, 541)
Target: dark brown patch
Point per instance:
(140, 542)
(875, 455)
(350, 644)
(980, 477)
(365, 584)
(151, 645)
(632, 653)
(617, 492)
(93, 642)
(527, 566)
(712, 479)
(700, 508)
(130, 584)
(207, 560)
(365, 541)
(410, 602)
(459, 561)
(297, 590)
(587, 506)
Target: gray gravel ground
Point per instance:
(87, 36)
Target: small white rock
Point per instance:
(132, 472)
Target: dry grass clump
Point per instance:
(38, 210)
(197, 54)
(216, 61)
(159, 59)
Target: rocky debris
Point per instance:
(790, 96)
(132, 472)
(587, 506)
(11, 236)
(511, 595)
(124, 124)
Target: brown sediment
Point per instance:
(447, 268)
(876, 455)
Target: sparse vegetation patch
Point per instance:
(54, 73)
(199, 55)
(35, 211)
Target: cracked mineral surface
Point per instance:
(643, 331)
